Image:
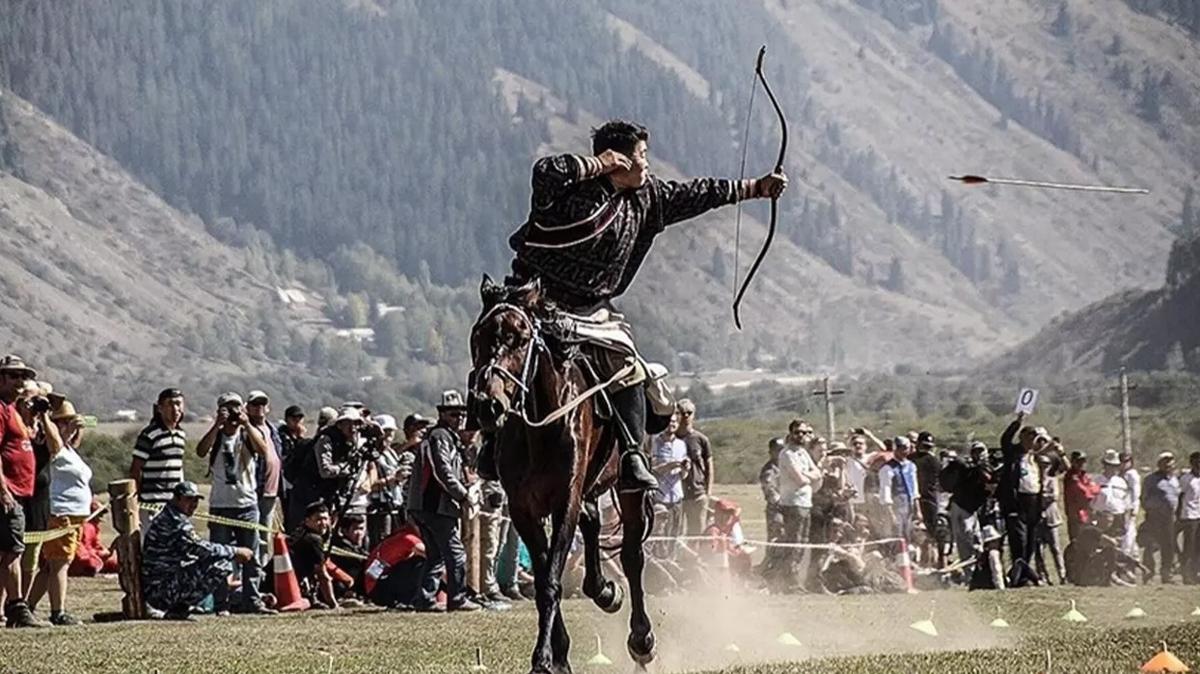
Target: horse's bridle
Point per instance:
(535, 346)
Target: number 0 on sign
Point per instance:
(1026, 400)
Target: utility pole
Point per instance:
(1126, 434)
(828, 393)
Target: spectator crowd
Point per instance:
(373, 511)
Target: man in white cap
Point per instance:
(1160, 499)
(1133, 478)
(17, 475)
(437, 494)
(269, 474)
(234, 448)
(391, 473)
(1111, 505)
(1189, 520)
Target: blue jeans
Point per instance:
(245, 538)
(443, 551)
(266, 512)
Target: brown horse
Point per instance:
(553, 470)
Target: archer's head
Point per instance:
(630, 140)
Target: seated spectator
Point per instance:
(350, 536)
(307, 546)
(178, 567)
(92, 557)
(1095, 559)
(393, 569)
(988, 573)
(726, 532)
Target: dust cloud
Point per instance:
(716, 627)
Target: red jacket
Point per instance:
(1078, 492)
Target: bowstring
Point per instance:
(737, 236)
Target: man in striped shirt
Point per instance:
(158, 455)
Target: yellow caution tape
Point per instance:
(36, 537)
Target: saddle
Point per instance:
(605, 339)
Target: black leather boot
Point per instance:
(635, 475)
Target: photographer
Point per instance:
(386, 498)
(234, 447)
(17, 471)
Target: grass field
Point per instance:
(852, 634)
(837, 634)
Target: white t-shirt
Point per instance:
(794, 460)
(1113, 497)
(856, 475)
(70, 488)
(670, 484)
(234, 484)
(1189, 494)
(1134, 480)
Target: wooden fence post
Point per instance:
(470, 536)
(126, 520)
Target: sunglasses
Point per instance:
(686, 413)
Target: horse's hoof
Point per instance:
(611, 597)
(642, 649)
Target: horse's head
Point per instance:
(504, 348)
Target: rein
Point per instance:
(537, 345)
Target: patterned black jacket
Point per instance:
(586, 240)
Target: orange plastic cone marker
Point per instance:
(287, 588)
(1164, 661)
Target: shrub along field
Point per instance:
(867, 635)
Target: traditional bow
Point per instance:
(737, 301)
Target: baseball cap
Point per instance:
(386, 421)
(776, 445)
(326, 416)
(169, 394)
(925, 439)
(187, 489)
(257, 396)
(349, 414)
(292, 412)
(229, 398)
(413, 420)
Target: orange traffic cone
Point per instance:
(287, 588)
(1164, 661)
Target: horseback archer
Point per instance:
(592, 220)
(557, 384)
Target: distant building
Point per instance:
(360, 335)
(290, 296)
(125, 415)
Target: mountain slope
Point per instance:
(339, 127)
(1138, 329)
(104, 283)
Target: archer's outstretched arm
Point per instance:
(684, 200)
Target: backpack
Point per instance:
(301, 463)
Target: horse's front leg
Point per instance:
(635, 518)
(561, 536)
(534, 535)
